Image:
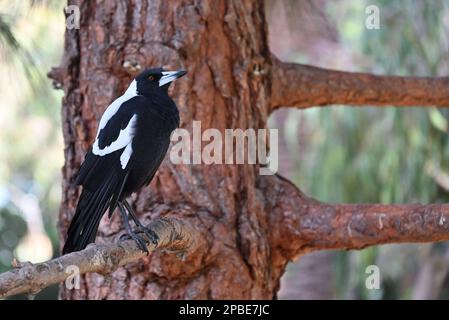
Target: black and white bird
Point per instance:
(132, 139)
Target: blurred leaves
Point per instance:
(377, 155)
(12, 228)
(438, 120)
(12, 50)
(31, 147)
(7, 38)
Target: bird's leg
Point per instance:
(140, 242)
(148, 232)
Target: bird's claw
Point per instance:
(151, 235)
(139, 241)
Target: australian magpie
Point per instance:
(132, 139)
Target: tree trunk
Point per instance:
(223, 45)
(252, 225)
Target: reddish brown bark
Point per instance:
(303, 225)
(303, 86)
(223, 46)
(252, 225)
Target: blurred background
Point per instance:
(31, 145)
(338, 154)
(377, 155)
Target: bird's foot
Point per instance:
(141, 243)
(151, 235)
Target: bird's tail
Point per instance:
(91, 207)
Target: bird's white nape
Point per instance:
(112, 109)
(132, 90)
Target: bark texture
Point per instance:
(223, 46)
(251, 225)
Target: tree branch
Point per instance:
(355, 226)
(302, 224)
(174, 234)
(303, 86)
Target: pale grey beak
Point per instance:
(169, 76)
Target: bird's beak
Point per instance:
(169, 76)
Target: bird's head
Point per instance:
(156, 79)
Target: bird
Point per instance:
(132, 139)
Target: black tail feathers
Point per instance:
(89, 211)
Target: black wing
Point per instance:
(102, 176)
(98, 164)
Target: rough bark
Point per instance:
(252, 225)
(303, 86)
(302, 225)
(223, 46)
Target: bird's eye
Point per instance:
(151, 78)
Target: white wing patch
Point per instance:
(126, 135)
(126, 155)
(124, 139)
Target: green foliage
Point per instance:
(31, 148)
(12, 228)
(378, 155)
